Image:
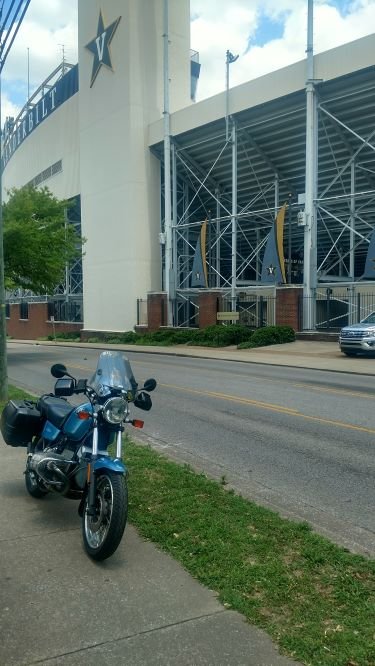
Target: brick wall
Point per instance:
(156, 311)
(287, 306)
(208, 308)
(37, 325)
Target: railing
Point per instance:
(333, 310)
(67, 311)
(256, 311)
(142, 318)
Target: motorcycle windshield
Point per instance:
(113, 371)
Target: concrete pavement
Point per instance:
(139, 607)
(301, 353)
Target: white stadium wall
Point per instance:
(120, 178)
(100, 135)
(55, 139)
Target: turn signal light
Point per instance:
(83, 415)
(137, 423)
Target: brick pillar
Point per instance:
(287, 306)
(156, 310)
(208, 307)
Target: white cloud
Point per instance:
(330, 29)
(46, 27)
(217, 25)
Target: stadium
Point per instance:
(267, 212)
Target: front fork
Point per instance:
(91, 476)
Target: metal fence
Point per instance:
(334, 310)
(67, 311)
(253, 310)
(142, 317)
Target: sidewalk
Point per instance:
(299, 354)
(140, 607)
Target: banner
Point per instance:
(273, 265)
(199, 271)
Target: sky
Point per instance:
(265, 34)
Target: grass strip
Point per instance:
(315, 599)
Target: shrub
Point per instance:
(220, 335)
(167, 336)
(127, 338)
(269, 335)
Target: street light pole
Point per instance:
(229, 59)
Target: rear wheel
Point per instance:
(103, 532)
(33, 484)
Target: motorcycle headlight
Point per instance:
(115, 410)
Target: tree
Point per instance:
(38, 241)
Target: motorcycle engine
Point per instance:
(52, 468)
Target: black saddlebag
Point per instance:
(20, 422)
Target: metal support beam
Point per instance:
(352, 221)
(174, 223)
(218, 257)
(310, 238)
(169, 282)
(234, 217)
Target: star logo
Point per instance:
(271, 270)
(99, 46)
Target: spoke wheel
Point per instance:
(103, 532)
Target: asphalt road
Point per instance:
(300, 441)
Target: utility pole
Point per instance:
(14, 16)
(3, 331)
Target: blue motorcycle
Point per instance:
(68, 445)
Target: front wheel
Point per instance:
(350, 353)
(103, 532)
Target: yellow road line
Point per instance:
(275, 408)
(319, 388)
(262, 405)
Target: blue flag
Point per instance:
(273, 269)
(199, 271)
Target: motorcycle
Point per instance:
(69, 446)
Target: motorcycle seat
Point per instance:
(54, 409)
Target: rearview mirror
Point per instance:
(143, 401)
(58, 370)
(64, 387)
(150, 385)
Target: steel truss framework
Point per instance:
(238, 184)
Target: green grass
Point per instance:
(315, 599)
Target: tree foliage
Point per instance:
(38, 241)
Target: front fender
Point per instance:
(114, 465)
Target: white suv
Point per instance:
(359, 338)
